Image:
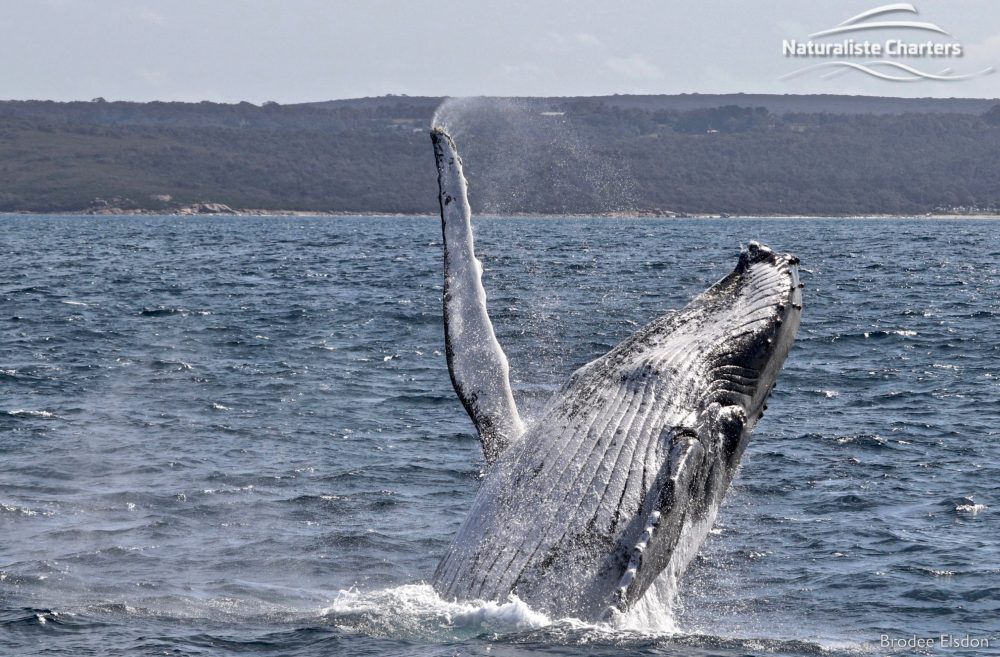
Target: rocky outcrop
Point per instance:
(206, 208)
(114, 205)
(121, 205)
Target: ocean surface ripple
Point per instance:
(237, 436)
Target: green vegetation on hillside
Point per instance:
(581, 155)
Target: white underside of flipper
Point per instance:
(478, 366)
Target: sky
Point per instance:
(292, 51)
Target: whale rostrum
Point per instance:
(582, 510)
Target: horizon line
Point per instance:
(514, 97)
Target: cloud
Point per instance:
(988, 49)
(635, 67)
(792, 29)
(563, 43)
(523, 72)
(147, 15)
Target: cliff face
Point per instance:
(661, 155)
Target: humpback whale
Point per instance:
(624, 469)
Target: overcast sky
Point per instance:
(304, 50)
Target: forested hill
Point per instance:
(736, 154)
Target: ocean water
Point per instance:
(237, 436)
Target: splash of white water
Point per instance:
(521, 141)
(417, 611)
(454, 115)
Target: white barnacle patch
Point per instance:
(635, 561)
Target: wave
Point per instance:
(416, 611)
(411, 613)
(16, 510)
(24, 413)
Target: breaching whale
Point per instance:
(582, 510)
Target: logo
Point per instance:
(930, 55)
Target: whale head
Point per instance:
(720, 357)
(760, 306)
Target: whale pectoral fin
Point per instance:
(665, 508)
(478, 366)
(689, 480)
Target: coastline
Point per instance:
(511, 215)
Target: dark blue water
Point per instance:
(237, 436)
